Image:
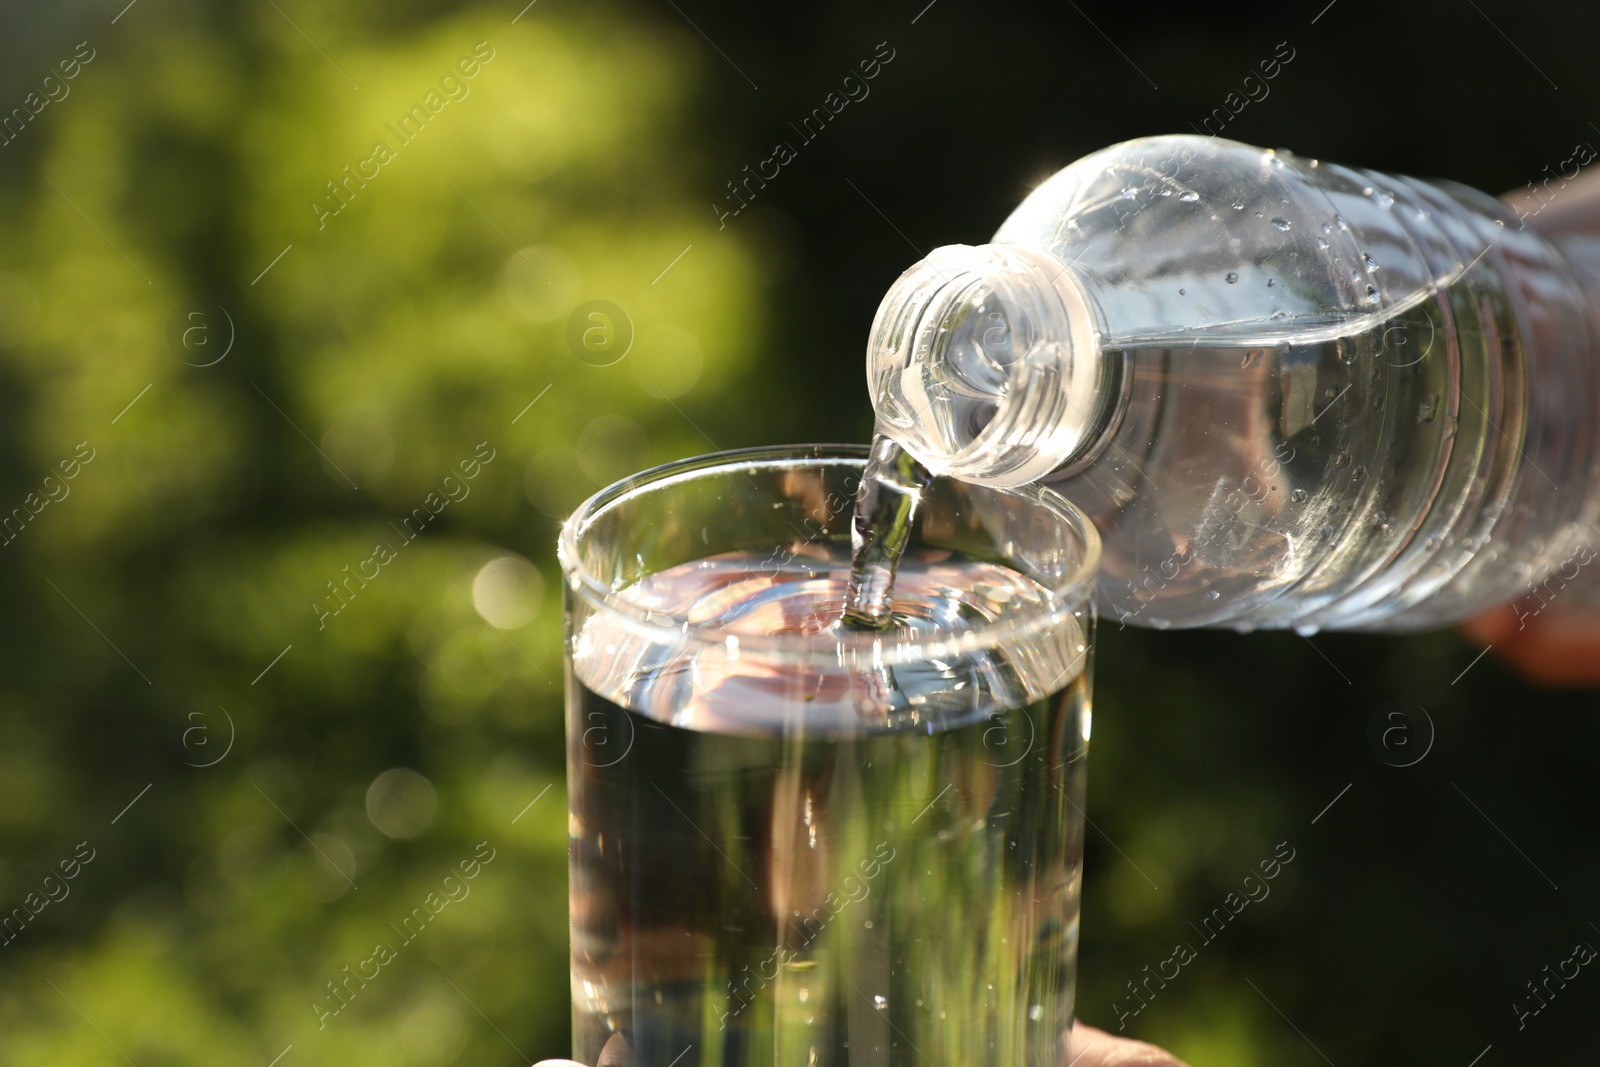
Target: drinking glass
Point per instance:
(796, 844)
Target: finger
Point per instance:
(1088, 1047)
(1555, 647)
(616, 1053)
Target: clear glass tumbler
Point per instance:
(798, 845)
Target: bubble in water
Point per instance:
(1372, 264)
(1183, 292)
(1298, 496)
(1231, 277)
(1270, 283)
(1322, 242)
(1129, 193)
(1372, 295)
(1166, 192)
(1280, 223)
(880, 1002)
(1385, 200)
(1326, 228)
(1250, 358)
(1341, 458)
(1326, 531)
(1260, 215)
(1237, 205)
(1338, 220)
(1160, 624)
(1212, 594)
(1358, 472)
(1188, 196)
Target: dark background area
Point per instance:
(1421, 899)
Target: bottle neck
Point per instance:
(985, 363)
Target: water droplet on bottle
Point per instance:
(1380, 517)
(1326, 531)
(1130, 193)
(1385, 200)
(1283, 347)
(1280, 223)
(1425, 412)
(1299, 496)
(1322, 242)
(1183, 292)
(1237, 205)
(1358, 472)
(1306, 629)
(1366, 190)
(1250, 358)
(1212, 594)
(1430, 544)
(1230, 277)
(1372, 295)
(1188, 196)
(1160, 624)
(1371, 263)
(1341, 458)
(1271, 282)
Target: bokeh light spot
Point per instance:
(507, 591)
(401, 803)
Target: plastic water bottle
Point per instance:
(1289, 393)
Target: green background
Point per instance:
(161, 636)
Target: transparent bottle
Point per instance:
(1289, 393)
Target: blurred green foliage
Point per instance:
(372, 358)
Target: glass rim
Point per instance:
(888, 647)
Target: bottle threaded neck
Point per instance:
(985, 363)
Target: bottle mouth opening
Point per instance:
(984, 363)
